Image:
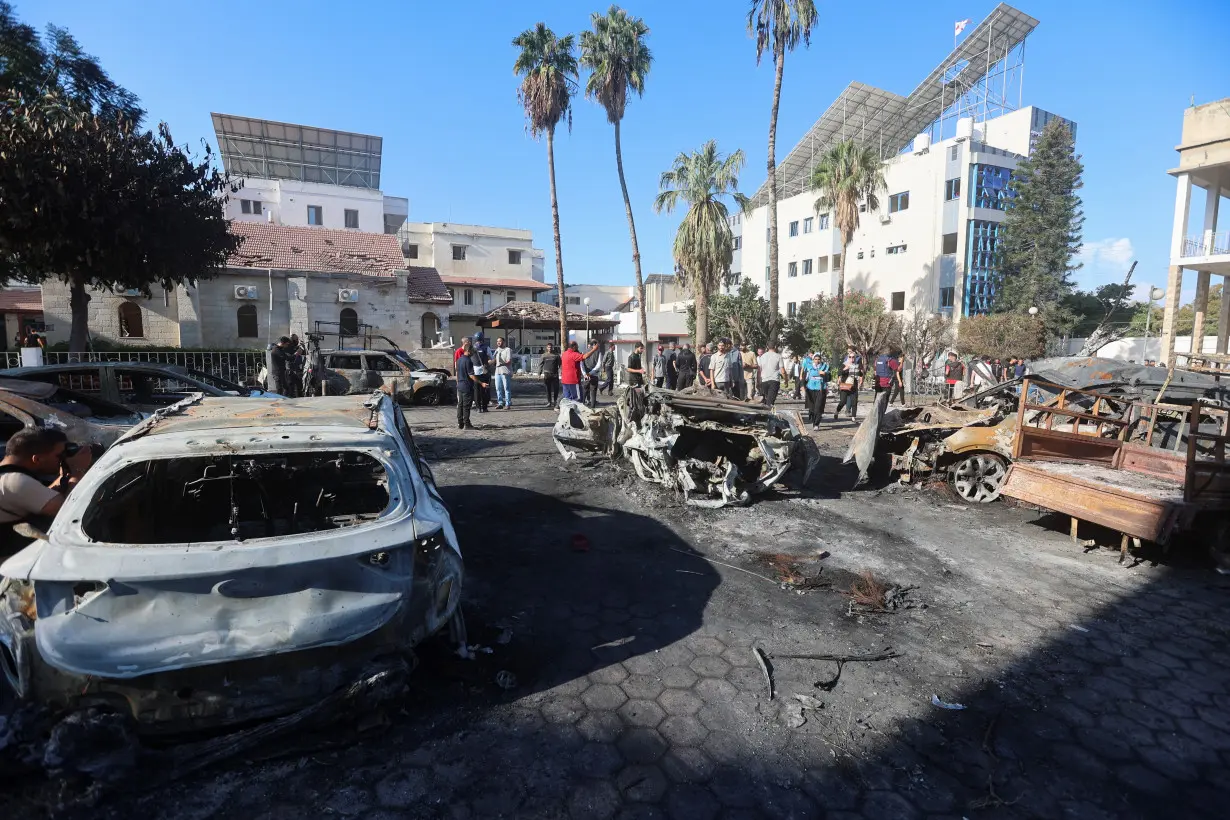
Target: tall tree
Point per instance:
(128, 208)
(618, 59)
(848, 175)
(86, 196)
(1042, 230)
(704, 244)
(743, 315)
(548, 70)
(778, 26)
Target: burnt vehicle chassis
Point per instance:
(713, 451)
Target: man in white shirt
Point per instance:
(501, 359)
(770, 366)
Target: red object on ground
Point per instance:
(580, 543)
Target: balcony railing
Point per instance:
(1207, 245)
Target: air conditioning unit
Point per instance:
(347, 295)
(885, 219)
(245, 292)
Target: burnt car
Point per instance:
(84, 419)
(393, 372)
(969, 441)
(233, 560)
(714, 451)
(140, 386)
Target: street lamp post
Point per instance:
(1154, 294)
(586, 302)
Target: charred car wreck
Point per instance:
(714, 451)
(969, 441)
(232, 561)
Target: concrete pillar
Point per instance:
(296, 298)
(1174, 288)
(1182, 203)
(1212, 200)
(1223, 320)
(188, 315)
(1201, 307)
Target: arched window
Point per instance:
(245, 319)
(349, 321)
(130, 321)
(431, 329)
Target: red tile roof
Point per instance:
(21, 301)
(289, 247)
(425, 285)
(479, 281)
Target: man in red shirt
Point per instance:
(570, 372)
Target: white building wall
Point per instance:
(288, 202)
(601, 297)
(486, 250)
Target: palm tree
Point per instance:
(846, 175)
(778, 26)
(616, 54)
(548, 72)
(704, 244)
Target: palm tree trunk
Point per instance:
(702, 315)
(636, 250)
(772, 169)
(559, 254)
(841, 277)
(79, 306)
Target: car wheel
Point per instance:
(429, 398)
(978, 478)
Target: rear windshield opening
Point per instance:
(224, 498)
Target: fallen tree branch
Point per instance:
(763, 660)
(723, 563)
(841, 661)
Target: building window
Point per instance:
(952, 154)
(807, 224)
(862, 207)
(348, 322)
(459, 253)
(245, 322)
(948, 244)
(737, 243)
(873, 253)
(510, 296)
(250, 206)
(893, 250)
(430, 329)
(898, 299)
(766, 273)
(792, 308)
(794, 228)
(451, 295)
(946, 297)
(468, 295)
(793, 269)
(990, 186)
(836, 261)
(859, 255)
(352, 218)
(980, 265)
(572, 300)
(952, 189)
(514, 257)
(316, 215)
(410, 251)
(130, 321)
(807, 267)
(736, 278)
(822, 265)
(824, 222)
(899, 202)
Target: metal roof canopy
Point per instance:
(889, 121)
(279, 150)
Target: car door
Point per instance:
(344, 373)
(148, 390)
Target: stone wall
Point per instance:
(207, 314)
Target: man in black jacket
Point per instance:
(548, 366)
(685, 367)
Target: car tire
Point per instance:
(978, 478)
(428, 398)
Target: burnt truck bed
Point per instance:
(1139, 505)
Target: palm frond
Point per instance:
(779, 26)
(548, 70)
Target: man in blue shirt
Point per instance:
(817, 372)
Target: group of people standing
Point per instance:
(982, 372)
(479, 366)
(575, 373)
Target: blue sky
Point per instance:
(435, 80)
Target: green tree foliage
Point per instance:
(1042, 231)
(824, 324)
(778, 26)
(548, 70)
(1185, 320)
(1003, 335)
(618, 60)
(94, 201)
(846, 175)
(86, 196)
(703, 244)
(742, 316)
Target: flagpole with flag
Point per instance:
(957, 28)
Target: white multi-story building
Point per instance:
(602, 298)
(930, 245)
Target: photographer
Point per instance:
(39, 468)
